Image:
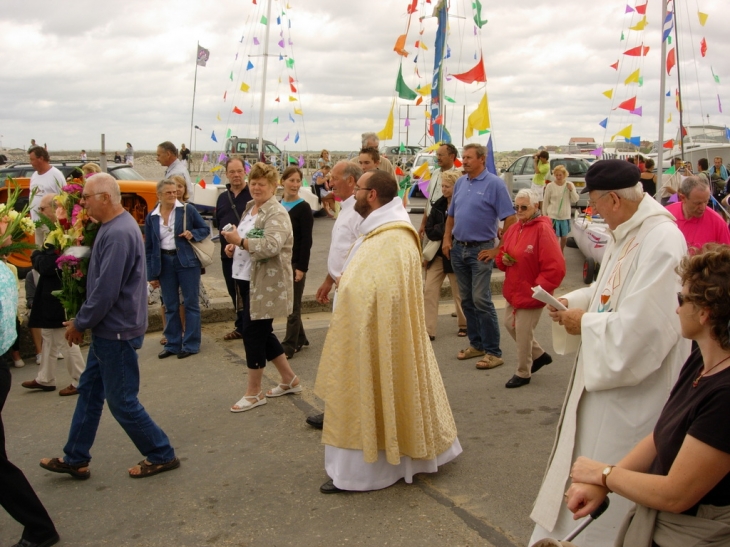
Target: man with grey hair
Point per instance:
(167, 156)
(116, 312)
(631, 346)
(698, 223)
(371, 140)
(343, 178)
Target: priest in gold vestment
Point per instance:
(387, 415)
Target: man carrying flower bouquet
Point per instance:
(116, 312)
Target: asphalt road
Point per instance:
(253, 478)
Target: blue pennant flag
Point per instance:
(296, 138)
(216, 179)
(291, 118)
(212, 136)
(491, 166)
(249, 66)
(604, 123)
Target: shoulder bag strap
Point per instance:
(233, 206)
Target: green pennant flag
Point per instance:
(402, 149)
(477, 5)
(305, 183)
(404, 92)
(228, 133)
(405, 183)
(449, 99)
(290, 63)
(641, 81)
(231, 76)
(484, 132)
(670, 171)
(715, 76)
(622, 36)
(264, 20)
(669, 40)
(276, 120)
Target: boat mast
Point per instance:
(679, 81)
(263, 88)
(662, 101)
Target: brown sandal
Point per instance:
(233, 335)
(57, 465)
(147, 469)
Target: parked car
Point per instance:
(523, 169)
(139, 196)
(248, 149)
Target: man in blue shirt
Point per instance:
(480, 201)
(116, 312)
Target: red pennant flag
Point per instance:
(669, 144)
(684, 131)
(237, 110)
(703, 47)
(457, 163)
(430, 129)
(201, 182)
(476, 74)
(439, 120)
(671, 60)
(637, 51)
(615, 65)
(419, 101)
(412, 7)
(293, 89)
(277, 100)
(641, 10)
(399, 171)
(224, 95)
(291, 80)
(629, 104)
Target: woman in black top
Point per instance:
(648, 178)
(679, 476)
(302, 222)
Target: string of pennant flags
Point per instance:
(632, 60)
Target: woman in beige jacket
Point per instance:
(261, 249)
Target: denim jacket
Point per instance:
(185, 253)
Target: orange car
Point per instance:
(138, 197)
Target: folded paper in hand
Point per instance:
(538, 293)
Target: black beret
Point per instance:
(611, 175)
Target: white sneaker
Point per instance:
(19, 363)
(37, 358)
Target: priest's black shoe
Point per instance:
(45, 543)
(184, 354)
(164, 354)
(516, 381)
(330, 488)
(317, 421)
(540, 362)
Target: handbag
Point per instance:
(203, 249)
(430, 248)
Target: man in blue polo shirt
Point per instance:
(480, 201)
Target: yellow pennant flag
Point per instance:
(625, 133)
(633, 77)
(219, 117)
(424, 91)
(292, 99)
(703, 18)
(479, 119)
(432, 147)
(298, 111)
(422, 172)
(217, 168)
(669, 119)
(387, 132)
(279, 79)
(640, 25)
(422, 46)
(608, 93)
(245, 87)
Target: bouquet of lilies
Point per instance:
(15, 226)
(72, 235)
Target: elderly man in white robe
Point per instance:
(631, 348)
(387, 416)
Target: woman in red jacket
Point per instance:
(530, 256)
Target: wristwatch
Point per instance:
(241, 244)
(604, 475)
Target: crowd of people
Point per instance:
(641, 421)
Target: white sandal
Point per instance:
(244, 404)
(285, 389)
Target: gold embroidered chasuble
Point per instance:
(378, 374)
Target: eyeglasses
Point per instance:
(172, 193)
(521, 207)
(593, 202)
(86, 197)
(357, 188)
(682, 298)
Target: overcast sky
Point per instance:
(73, 70)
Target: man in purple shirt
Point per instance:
(480, 201)
(116, 312)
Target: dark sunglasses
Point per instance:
(682, 298)
(521, 207)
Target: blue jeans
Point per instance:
(474, 278)
(112, 372)
(172, 277)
